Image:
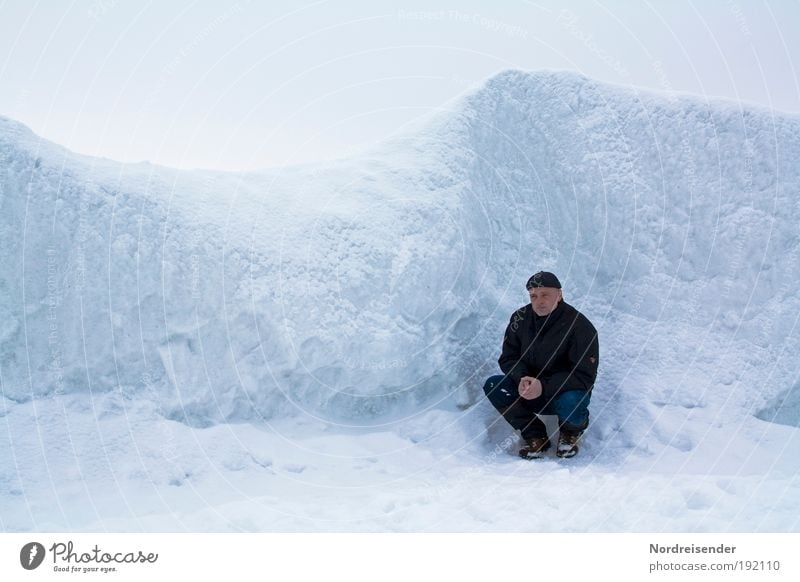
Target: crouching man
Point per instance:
(550, 358)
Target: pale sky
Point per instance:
(248, 84)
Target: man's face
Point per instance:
(544, 299)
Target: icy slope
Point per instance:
(672, 222)
(230, 297)
(136, 300)
(381, 284)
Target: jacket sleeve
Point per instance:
(584, 358)
(511, 359)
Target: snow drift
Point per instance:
(303, 348)
(370, 288)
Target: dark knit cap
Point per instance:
(543, 279)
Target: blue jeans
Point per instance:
(571, 408)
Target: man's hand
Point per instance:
(530, 388)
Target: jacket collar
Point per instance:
(541, 323)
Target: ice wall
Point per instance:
(367, 288)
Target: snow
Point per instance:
(304, 348)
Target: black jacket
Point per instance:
(559, 349)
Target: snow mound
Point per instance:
(366, 290)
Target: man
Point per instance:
(550, 358)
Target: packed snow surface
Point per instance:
(304, 348)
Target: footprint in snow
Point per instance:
(699, 500)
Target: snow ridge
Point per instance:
(371, 288)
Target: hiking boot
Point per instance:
(534, 448)
(568, 445)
